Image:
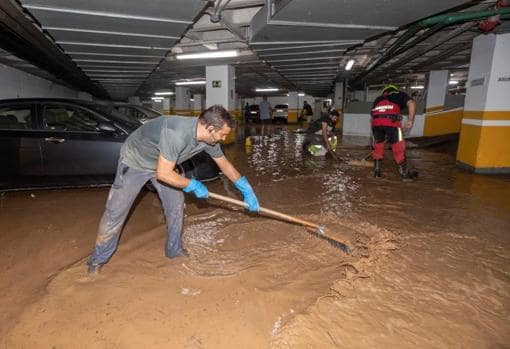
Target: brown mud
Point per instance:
(430, 267)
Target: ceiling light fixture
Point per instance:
(417, 87)
(453, 82)
(269, 89)
(349, 64)
(164, 93)
(215, 54)
(196, 82)
(157, 99)
(301, 94)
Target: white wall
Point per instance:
(482, 55)
(357, 129)
(436, 89)
(18, 84)
(498, 96)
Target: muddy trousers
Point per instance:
(392, 135)
(125, 189)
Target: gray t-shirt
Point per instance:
(174, 137)
(265, 110)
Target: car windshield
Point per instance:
(128, 121)
(281, 106)
(150, 113)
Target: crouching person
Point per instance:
(320, 139)
(151, 153)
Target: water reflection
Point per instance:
(274, 155)
(273, 160)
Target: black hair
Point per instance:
(216, 116)
(334, 112)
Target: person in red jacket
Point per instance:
(387, 127)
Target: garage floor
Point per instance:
(430, 267)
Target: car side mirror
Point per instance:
(106, 127)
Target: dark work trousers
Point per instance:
(392, 135)
(125, 189)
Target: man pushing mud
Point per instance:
(151, 153)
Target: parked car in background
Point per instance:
(58, 143)
(281, 113)
(138, 112)
(254, 113)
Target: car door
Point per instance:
(75, 143)
(20, 153)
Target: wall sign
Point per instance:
(216, 83)
(504, 78)
(477, 82)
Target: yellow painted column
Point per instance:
(293, 110)
(484, 145)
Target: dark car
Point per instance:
(254, 113)
(47, 143)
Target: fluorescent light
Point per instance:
(453, 82)
(269, 89)
(215, 54)
(192, 99)
(301, 94)
(196, 82)
(417, 87)
(349, 64)
(157, 99)
(164, 93)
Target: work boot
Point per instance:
(378, 168)
(405, 173)
(94, 269)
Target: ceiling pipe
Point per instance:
(435, 44)
(438, 22)
(450, 19)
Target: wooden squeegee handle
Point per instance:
(265, 211)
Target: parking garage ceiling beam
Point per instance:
(19, 36)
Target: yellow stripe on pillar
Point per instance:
(293, 115)
(484, 144)
(487, 115)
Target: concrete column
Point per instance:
(135, 100)
(220, 89)
(294, 107)
(167, 106)
(182, 103)
(339, 97)
(436, 90)
(484, 145)
(197, 104)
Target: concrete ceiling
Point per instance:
(129, 47)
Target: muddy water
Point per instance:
(430, 266)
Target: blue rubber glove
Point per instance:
(197, 188)
(249, 196)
